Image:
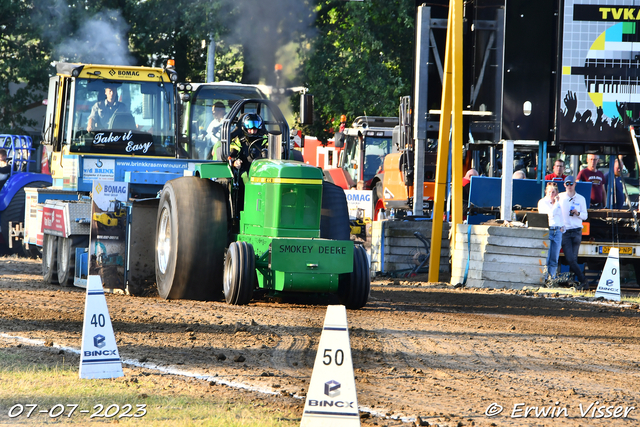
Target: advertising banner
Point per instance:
(359, 200)
(599, 71)
(53, 220)
(108, 232)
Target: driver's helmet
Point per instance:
(252, 124)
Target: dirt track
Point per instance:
(447, 355)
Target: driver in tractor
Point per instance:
(103, 110)
(249, 145)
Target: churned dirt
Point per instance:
(425, 353)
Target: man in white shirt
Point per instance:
(214, 129)
(574, 211)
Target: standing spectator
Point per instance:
(467, 177)
(596, 178)
(574, 211)
(465, 186)
(617, 198)
(550, 204)
(558, 172)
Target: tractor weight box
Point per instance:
(320, 256)
(308, 265)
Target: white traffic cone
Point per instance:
(332, 399)
(99, 356)
(609, 284)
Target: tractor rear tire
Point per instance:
(296, 155)
(50, 259)
(239, 273)
(354, 288)
(334, 220)
(191, 235)
(67, 257)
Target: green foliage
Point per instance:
(361, 62)
(23, 59)
(356, 56)
(164, 29)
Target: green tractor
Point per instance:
(279, 229)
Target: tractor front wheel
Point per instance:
(354, 288)
(50, 259)
(239, 273)
(191, 235)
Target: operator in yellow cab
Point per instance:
(102, 111)
(251, 144)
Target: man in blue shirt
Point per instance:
(617, 199)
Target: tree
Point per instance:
(361, 62)
(23, 59)
(35, 33)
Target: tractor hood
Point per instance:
(284, 169)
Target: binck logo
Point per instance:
(332, 388)
(99, 341)
(332, 403)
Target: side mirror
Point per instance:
(306, 109)
(339, 140)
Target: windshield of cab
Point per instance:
(128, 118)
(375, 149)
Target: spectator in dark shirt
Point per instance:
(618, 198)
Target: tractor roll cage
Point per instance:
(274, 124)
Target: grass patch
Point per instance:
(27, 378)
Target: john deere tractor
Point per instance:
(280, 228)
